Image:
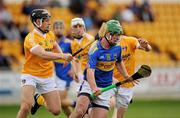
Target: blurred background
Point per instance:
(157, 21)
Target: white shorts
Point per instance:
(123, 96)
(102, 100)
(62, 84)
(43, 85)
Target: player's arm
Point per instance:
(56, 48)
(72, 72)
(92, 60)
(143, 45)
(78, 70)
(91, 79)
(121, 69)
(120, 66)
(41, 52)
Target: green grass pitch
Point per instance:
(139, 109)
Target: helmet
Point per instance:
(78, 34)
(39, 14)
(114, 27)
(76, 21)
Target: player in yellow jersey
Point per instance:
(80, 39)
(104, 55)
(40, 49)
(124, 93)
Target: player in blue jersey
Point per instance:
(64, 72)
(103, 56)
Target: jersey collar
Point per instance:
(39, 33)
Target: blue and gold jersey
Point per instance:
(103, 61)
(62, 72)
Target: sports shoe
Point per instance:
(35, 106)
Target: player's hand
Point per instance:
(143, 43)
(65, 64)
(115, 80)
(127, 76)
(96, 91)
(135, 82)
(72, 74)
(68, 57)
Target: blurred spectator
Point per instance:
(146, 12)
(4, 63)
(44, 3)
(11, 31)
(2, 37)
(64, 3)
(28, 6)
(5, 16)
(97, 19)
(127, 15)
(117, 14)
(50, 3)
(145, 3)
(135, 8)
(87, 19)
(77, 6)
(124, 15)
(23, 29)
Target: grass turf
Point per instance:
(139, 109)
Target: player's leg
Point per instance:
(88, 111)
(120, 111)
(100, 106)
(113, 106)
(66, 102)
(113, 102)
(98, 112)
(83, 101)
(81, 107)
(38, 102)
(47, 87)
(27, 92)
(123, 99)
(26, 101)
(53, 102)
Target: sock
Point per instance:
(40, 100)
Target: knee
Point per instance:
(55, 112)
(26, 107)
(80, 111)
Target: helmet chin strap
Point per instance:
(108, 41)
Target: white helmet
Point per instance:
(76, 21)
